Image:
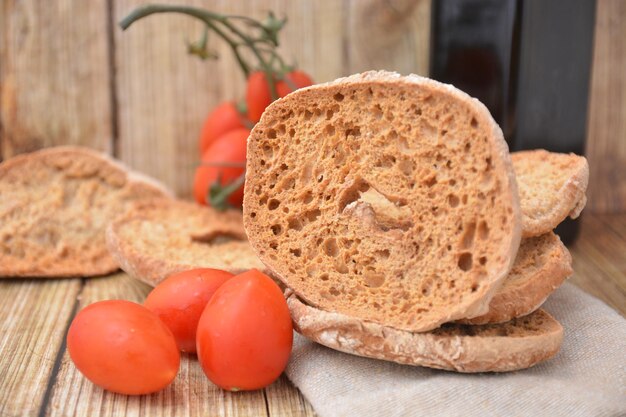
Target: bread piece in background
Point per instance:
(159, 238)
(54, 206)
(386, 198)
(552, 186)
(517, 344)
(541, 266)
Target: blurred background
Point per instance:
(553, 73)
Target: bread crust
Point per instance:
(542, 264)
(545, 206)
(473, 304)
(162, 237)
(35, 240)
(511, 346)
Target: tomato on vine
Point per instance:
(219, 178)
(221, 120)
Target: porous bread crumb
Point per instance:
(377, 195)
(552, 186)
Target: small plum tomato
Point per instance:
(123, 347)
(180, 299)
(258, 95)
(293, 80)
(245, 334)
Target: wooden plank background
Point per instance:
(69, 75)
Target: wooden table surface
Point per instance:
(38, 379)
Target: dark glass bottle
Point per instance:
(528, 61)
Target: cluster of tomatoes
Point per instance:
(239, 326)
(225, 133)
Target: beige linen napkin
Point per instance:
(586, 378)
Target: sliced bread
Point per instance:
(551, 186)
(541, 266)
(54, 208)
(159, 238)
(517, 344)
(385, 198)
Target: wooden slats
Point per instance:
(606, 144)
(54, 75)
(34, 315)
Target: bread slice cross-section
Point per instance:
(386, 198)
(517, 344)
(551, 186)
(541, 266)
(54, 207)
(159, 238)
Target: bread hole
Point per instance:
(329, 114)
(449, 164)
(483, 230)
(273, 204)
(453, 200)
(482, 260)
(377, 111)
(329, 130)
(385, 161)
(267, 150)
(427, 287)
(311, 270)
(355, 131)
(334, 291)
(474, 287)
(284, 167)
(217, 237)
(320, 178)
(468, 147)
(465, 261)
(307, 115)
(274, 245)
(489, 163)
(464, 199)
(468, 236)
(271, 134)
(474, 123)
(347, 243)
(307, 197)
(382, 254)
(338, 97)
(444, 132)
(341, 267)
(287, 184)
(276, 229)
(253, 214)
(430, 180)
(294, 223)
(452, 182)
(281, 129)
(263, 200)
(262, 162)
(312, 215)
(373, 279)
(330, 247)
(296, 252)
(323, 277)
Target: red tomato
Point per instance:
(294, 80)
(222, 119)
(123, 347)
(180, 299)
(258, 95)
(229, 148)
(245, 333)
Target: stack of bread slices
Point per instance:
(388, 207)
(404, 230)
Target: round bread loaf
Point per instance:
(385, 198)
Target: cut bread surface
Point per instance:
(387, 198)
(54, 209)
(551, 186)
(159, 238)
(517, 344)
(541, 266)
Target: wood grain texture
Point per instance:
(191, 393)
(392, 35)
(34, 315)
(606, 138)
(55, 75)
